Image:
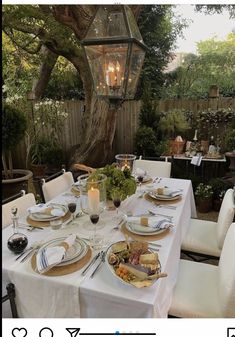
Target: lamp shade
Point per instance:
(115, 52)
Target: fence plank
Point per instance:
(127, 122)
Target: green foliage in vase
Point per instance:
(116, 179)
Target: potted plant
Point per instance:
(14, 125)
(204, 195)
(38, 156)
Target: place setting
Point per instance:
(42, 214)
(142, 177)
(61, 256)
(164, 195)
(146, 227)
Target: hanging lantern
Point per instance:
(115, 52)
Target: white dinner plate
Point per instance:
(163, 197)
(142, 231)
(75, 253)
(58, 211)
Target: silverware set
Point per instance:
(27, 253)
(157, 180)
(30, 228)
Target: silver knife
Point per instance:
(99, 265)
(28, 255)
(24, 252)
(91, 263)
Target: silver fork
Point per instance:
(117, 227)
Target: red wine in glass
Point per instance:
(94, 218)
(72, 208)
(117, 202)
(140, 179)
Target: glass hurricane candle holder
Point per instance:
(125, 161)
(92, 195)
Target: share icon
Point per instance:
(73, 331)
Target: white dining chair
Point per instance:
(22, 203)
(206, 238)
(204, 290)
(154, 168)
(58, 185)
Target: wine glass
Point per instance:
(95, 239)
(72, 205)
(140, 178)
(117, 199)
(18, 241)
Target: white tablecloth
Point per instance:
(103, 296)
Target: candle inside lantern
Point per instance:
(113, 77)
(93, 200)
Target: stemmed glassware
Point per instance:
(72, 205)
(117, 199)
(18, 241)
(95, 239)
(140, 178)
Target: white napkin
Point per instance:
(47, 258)
(171, 193)
(39, 208)
(196, 160)
(154, 224)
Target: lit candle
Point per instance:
(93, 200)
(125, 166)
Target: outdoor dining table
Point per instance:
(104, 295)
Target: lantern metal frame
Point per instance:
(129, 40)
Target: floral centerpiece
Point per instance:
(118, 180)
(204, 195)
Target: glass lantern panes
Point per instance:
(115, 52)
(107, 64)
(136, 62)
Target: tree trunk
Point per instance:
(48, 63)
(96, 151)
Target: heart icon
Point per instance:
(22, 332)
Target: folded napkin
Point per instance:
(154, 224)
(171, 193)
(39, 208)
(47, 258)
(47, 210)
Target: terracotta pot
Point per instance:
(217, 204)
(177, 147)
(16, 184)
(204, 205)
(38, 170)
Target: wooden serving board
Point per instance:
(35, 223)
(140, 237)
(64, 270)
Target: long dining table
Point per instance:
(104, 295)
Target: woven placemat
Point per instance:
(35, 223)
(159, 202)
(138, 237)
(75, 191)
(64, 270)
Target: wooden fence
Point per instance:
(127, 122)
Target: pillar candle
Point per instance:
(93, 200)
